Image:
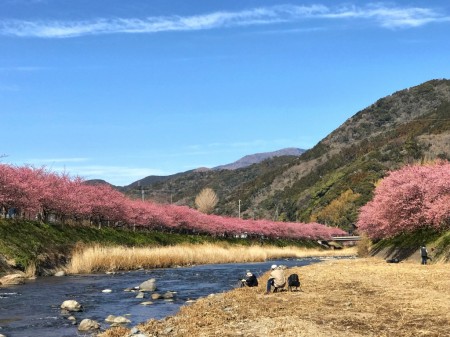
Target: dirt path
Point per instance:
(364, 297)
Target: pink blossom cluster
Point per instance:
(411, 198)
(36, 193)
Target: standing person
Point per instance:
(277, 279)
(424, 254)
(250, 280)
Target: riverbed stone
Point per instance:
(147, 303)
(106, 291)
(110, 318)
(156, 296)
(149, 285)
(140, 295)
(168, 295)
(121, 320)
(60, 273)
(71, 305)
(117, 319)
(88, 324)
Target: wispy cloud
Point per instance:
(117, 175)
(390, 17)
(385, 16)
(83, 167)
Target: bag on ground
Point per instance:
(293, 280)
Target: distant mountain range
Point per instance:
(240, 163)
(329, 182)
(259, 157)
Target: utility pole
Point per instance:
(142, 190)
(239, 209)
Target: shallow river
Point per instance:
(33, 309)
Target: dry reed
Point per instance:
(30, 270)
(97, 258)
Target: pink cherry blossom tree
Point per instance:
(411, 198)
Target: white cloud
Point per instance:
(390, 17)
(385, 16)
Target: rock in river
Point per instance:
(88, 324)
(149, 285)
(71, 305)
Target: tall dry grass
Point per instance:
(363, 246)
(98, 258)
(31, 270)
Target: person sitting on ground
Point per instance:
(250, 280)
(277, 279)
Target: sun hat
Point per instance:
(274, 266)
(249, 274)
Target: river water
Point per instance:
(33, 309)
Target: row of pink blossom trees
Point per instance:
(36, 193)
(406, 200)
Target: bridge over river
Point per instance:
(338, 241)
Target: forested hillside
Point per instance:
(331, 181)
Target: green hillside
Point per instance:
(329, 182)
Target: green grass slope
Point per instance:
(26, 243)
(406, 246)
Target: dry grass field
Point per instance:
(352, 298)
(98, 258)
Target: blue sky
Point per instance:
(119, 90)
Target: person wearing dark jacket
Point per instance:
(250, 280)
(424, 254)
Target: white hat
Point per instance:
(249, 274)
(274, 266)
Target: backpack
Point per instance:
(293, 280)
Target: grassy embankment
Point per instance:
(41, 248)
(406, 246)
(352, 298)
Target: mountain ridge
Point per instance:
(259, 157)
(410, 125)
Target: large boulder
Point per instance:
(88, 324)
(71, 305)
(149, 285)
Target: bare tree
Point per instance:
(206, 200)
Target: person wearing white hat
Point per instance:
(277, 279)
(250, 280)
